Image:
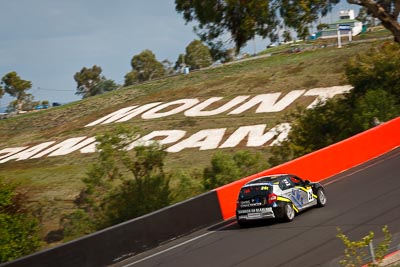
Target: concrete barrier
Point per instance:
(119, 242)
(325, 162)
(116, 243)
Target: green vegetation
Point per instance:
(374, 99)
(145, 67)
(53, 184)
(198, 55)
(19, 230)
(226, 168)
(120, 186)
(243, 20)
(90, 82)
(355, 251)
(126, 183)
(16, 87)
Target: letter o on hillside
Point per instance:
(183, 104)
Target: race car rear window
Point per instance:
(253, 191)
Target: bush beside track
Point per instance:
(132, 237)
(325, 162)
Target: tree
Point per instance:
(90, 82)
(27, 101)
(223, 170)
(198, 55)
(122, 185)
(1, 91)
(249, 162)
(16, 87)
(387, 11)
(146, 66)
(180, 62)
(189, 185)
(363, 15)
(19, 231)
(228, 56)
(131, 78)
(242, 20)
(86, 79)
(226, 168)
(103, 86)
(375, 98)
(377, 68)
(168, 67)
(322, 26)
(287, 36)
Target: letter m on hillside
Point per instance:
(123, 114)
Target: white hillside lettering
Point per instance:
(192, 107)
(116, 115)
(68, 146)
(204, 140)
(198, 110)
(27, 153)
(269, 102)
(123, 114)
(65, 147)
(137, 111)
(255, 135)
(170, 136)
(91, 148)
(325, 93)
(183, 105)
(7, 152)
(281, 132)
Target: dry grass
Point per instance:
(58, 179)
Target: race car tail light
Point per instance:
(272, 198)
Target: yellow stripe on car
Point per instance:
(295, 209)
(305, 190)
(283, 199)
(302, 188)
(288, 200)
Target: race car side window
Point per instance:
(296, 180)
(286, 183)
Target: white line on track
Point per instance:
(178, 245)
(234, 222)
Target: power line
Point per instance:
(48, 89)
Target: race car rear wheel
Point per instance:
(288, 212)
(321, 197)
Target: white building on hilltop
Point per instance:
(346, 24)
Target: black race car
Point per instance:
(277, 196)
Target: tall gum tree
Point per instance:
(15, 87)
(86, 80)
(386, 11)
(244, 19)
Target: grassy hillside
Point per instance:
(57, 180)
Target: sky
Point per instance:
(47, 42)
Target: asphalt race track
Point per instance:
(360, 200)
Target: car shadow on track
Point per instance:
(232, 225)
